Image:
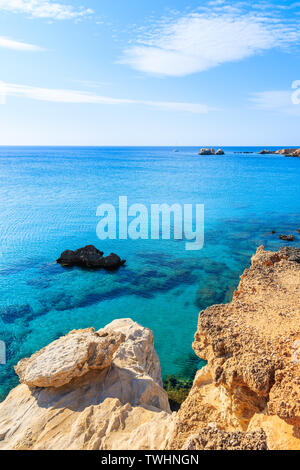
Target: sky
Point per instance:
(172, 72)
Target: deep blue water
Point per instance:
(49, 198)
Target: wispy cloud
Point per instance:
(208, 37)
(273, 99)
(81, 97)
(276, 100)
(45, 9)
(8, 43)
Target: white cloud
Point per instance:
(80, 97)
(44, 9)
(201, 40)
(280, 101)
(8, 43)
(273, 99)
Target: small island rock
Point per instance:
(90, 257)
(208, 151)
(288, 238)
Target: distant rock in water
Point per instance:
(90, 257)
(266, 152)
(286, 152)
(207, 151)
(288, 238)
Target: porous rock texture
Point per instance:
(251, 382)
(69, 357)
(121, 406)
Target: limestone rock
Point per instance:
(119, 407)
(212, 438)
(252, 349)
(68, 357)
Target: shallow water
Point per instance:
(49, 198)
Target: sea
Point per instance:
(49, 198)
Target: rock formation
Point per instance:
(103, 390)
(83, 405)
(207, 151)
(252, 379)
(90, 257)
(287, 238)
(69, 357)
(286, 152)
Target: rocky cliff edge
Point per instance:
(252, 379)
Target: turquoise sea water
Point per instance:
(49, 198)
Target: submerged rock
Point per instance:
(90, 257)
(13, 312)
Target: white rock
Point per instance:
(120, 407)
(68, 357)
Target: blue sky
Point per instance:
(110, 72)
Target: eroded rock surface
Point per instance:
(212, 438)
(252, 379)
(73, 355)
(122, 406)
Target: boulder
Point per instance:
(90, 257)
(220, 152)
(206, 151)
(68, 357)
(83, 406)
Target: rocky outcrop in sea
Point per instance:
(103, 389)
(291, 152)
(90, 257)
(208, 151)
